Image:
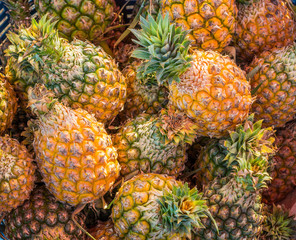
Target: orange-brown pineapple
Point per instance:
(74, 153)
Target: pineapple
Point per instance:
(207, 86)
(212, 22)
(284, 172)
(278, 225)
(80, 74)
(274, 82)
(263, 25)
(234, 201)
(8, 104)
(79, 19)
(104, 231)
(16, 174)
(148, 97)
(155, 206)
(154, 144)
(74, 152)
(43, 218)
(216, 158)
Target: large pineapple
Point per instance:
(263, 25)
(155, 144)
(207, 86)
(16, 174)
(235, 202)
(142, 97)
(74, 153)
(42, 217)
(8, 104)
(79, 19)
(155, 206)
(212, 22)
(284, 172)
(80, 74)
(216, 158)
(274, 82)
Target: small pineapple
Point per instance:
(155, 206)
(16, 174)
(155, 144)
(42, 217)
(207, 86)
(8, 104)
(79, 19)
(74, 152)
(263, 25)
(104, 231)
(284, 168)
(278, 225)
(79, 73)
(216, 159)
(274, 81)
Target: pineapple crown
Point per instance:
(164, 48)
(249, 149)
(182, 209)
(176, 126)
(35, 46)
(41, 100)
(278, 224)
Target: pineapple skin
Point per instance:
(43, 217)
(75, 155)
(262, 26)
(16, 174)
(284, 168)
(213, 92)
(237, 219)
(104, 231)
(84, 77)
(134, 205)
(8, 104)
(140, 97)
(141, 147)
(84, 20)
(276, 96)
(212, 22)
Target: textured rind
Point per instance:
(213, 92)
(212, 22)
(78, 19)
(134, 213)
(42, 217)
(104, 231)
(75, 155)
(239, 219)
(8, 104)
(85, 77)
(141, 98)
(17, 183)
(284, 171)
(140, 146)
(276, 96)
(263, 25)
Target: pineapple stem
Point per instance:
(78, 209)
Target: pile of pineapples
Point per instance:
(179, 125)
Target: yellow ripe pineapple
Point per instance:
(210, 88)
(212, 22)
(74, 153)
(16, 174)
(155, 206)
(80, 74)
(274, 81)
(8, 104)
(263, 25)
